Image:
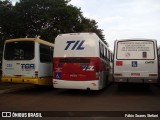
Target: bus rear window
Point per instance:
(138, 49)
(74, 60)
(19, 50)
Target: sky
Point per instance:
(122, 19)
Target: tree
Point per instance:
(43, 18)
(5, 21)
(90, 25)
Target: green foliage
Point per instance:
(43, 18)
(5, 13)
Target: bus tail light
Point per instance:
(36, 74)
(97, 75)
(118, 74)
(152, 75)
(135, 74)
(119, 63)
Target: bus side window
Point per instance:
(51, 53)
(45, 54)
(158, 53)
(100, 51)
(109, 55)
(105, 53)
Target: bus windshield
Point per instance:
(136, 49)
(19, 50)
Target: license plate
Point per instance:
(135, 74)
(73, 75)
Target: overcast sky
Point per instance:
(121, 19)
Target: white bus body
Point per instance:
(158, 50)
(27, 60)
(80, 62)
(135, 60)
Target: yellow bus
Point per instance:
(27, 60)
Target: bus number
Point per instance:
(87, 67)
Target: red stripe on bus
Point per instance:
(78, 69)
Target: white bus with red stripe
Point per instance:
(80, 62)
(135, 61)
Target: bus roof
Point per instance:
(81, 33)
(84, 34)
(136, 39)
(31, 39)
